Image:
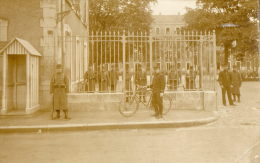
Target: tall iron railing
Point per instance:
(118, 61)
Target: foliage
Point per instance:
(133, 15)
(212, 14)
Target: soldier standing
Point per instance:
(225, 82)
(113, 77)
(59, 88)
(158, 86)
(173, 79)
(141, 81)
(89, 78)
(236, 82)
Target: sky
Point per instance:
(172, 7)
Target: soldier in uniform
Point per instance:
(113, 77)
(236, 83)
(89, 78)
(173, 79)
(141, 81)
(225, 82)
(59, 88)
(190, 79)
(158, 85)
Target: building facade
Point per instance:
(57, 30)
(163, 24)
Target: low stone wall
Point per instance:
(188, 100)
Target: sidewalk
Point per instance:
(97, 120)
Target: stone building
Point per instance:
(182, 55)
(53, 30)
(167, 23)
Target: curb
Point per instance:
(106, 126)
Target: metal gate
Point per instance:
(188, 60)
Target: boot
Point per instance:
(66, 114)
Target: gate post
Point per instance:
(124, 68)
(200, 61)
(215, 61)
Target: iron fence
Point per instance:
(119, 61)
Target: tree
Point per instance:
(212, 14)
(132, 15)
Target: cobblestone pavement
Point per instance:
(246, 113)
(234, 138)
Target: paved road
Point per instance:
(233, 138)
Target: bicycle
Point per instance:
(129, 105)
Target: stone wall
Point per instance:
(188, 100)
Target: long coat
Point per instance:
(236, 82)
(90, 79)
(59, 86)
(158, 83)
(225, 79)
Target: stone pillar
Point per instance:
(4, 95)
(28, 82)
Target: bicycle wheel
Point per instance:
(128, 106)
(148, 103)
(167, 104)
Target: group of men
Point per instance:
(230, 83)
(105, 79)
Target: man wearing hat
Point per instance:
(236, 82)
(225, 82)
(59, 88)
(158, 85)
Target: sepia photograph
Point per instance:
(129, 81)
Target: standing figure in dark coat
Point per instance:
(173, 79)
(89, 78)
(225, 82)
(190, 79)
(113, 78)
(141, 81)
(236, 82)
(103, 80)
(158, 85)
(59, 87)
